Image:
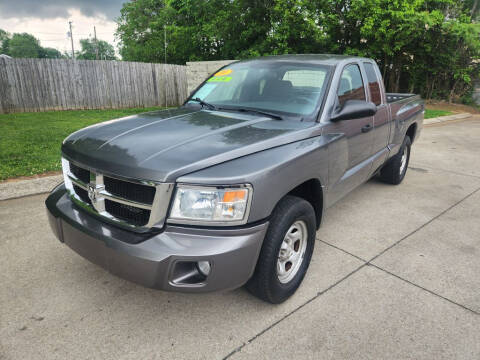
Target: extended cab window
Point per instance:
(351, 85)
(312, 79)
(373, 84)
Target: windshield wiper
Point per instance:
(204, 103)
(261, 112)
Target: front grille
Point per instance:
(128, 190)
(131, 214)
(128, 203)
(80, 173)
(82, 194)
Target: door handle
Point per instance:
(367, 128)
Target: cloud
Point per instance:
(52, 32)
(48, 9)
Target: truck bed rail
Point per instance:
(393, 97)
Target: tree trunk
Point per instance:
(474, 8)
(431, 89)
(452, 92)
(412, 86)
(427, 88)
(391, 79)
(385, 68)
(397, 80)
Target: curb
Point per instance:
(21, 188)
(446, 118)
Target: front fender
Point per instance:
(273, 173)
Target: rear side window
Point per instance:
(351, 85)
(305, 78)
(373, 83)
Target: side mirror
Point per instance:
(354, 109)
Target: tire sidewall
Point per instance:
(300, 212)
(390, 172)
(406, 145)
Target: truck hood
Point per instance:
(162, 145)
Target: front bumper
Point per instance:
(159, 260)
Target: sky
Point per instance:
(48, 20)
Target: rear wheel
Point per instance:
(286, 251)
(394, 171)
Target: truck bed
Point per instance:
(405, 109)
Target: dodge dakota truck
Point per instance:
(230, 188)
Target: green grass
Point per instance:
(30, 142)
(436, 113)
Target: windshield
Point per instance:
(275, 86)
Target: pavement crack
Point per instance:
(271, 326)
(343, 250)
(422, 226)
(416, 166)
(425, 289)
(369, 262)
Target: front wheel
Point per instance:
(286, 251)
(395, 169)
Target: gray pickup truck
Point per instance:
(230, 188)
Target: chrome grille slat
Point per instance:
(133, 215)
(98, 195)
(79, 173)
(139, 193)
(78, 182)
(120, 200)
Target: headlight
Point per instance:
(211, 205)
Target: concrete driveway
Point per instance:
(395, 274)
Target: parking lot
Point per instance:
(395, 274)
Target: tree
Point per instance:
(4, 39)
(142, 24)
(89, 50)
(50, 53)
(24, 46)
(214, 29)
(426, 46)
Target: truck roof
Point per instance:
(325, 59)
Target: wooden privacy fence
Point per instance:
(62, 84)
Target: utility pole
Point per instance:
(165, 66)
(96, 42)
(165, 41)
(71, 39)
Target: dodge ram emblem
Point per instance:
(92, 193)
(95, 196)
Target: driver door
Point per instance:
(350, 154)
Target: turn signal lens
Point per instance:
(231, 196)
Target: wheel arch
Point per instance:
(412, 131)
(311, 191)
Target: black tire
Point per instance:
(265, 283)
(391, 173)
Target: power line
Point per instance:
(64, 39)
(61, 33)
